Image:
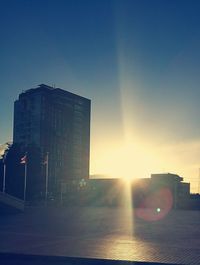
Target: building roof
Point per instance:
(51, 89)
(166, 176)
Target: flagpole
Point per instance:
(47, 177)
(25, 177)
(4, 177)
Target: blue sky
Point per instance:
(138, 61)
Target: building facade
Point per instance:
(57, 123)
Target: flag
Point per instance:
(45, 161)
(23, 160)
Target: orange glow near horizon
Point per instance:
(128, 160)
(136, 159)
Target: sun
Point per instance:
(128, 160)
(122, 163)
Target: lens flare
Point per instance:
(156, 205)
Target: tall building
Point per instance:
(56, 122)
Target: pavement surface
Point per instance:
(102, 233)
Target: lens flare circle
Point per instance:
(156, 205)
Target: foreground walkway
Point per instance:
(104, 233)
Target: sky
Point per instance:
(138, 61)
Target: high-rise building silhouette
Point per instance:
(56, 122)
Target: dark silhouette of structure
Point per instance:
(180, 190)
(54, 124)
(161, 191)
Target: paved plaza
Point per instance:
(104, 233)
